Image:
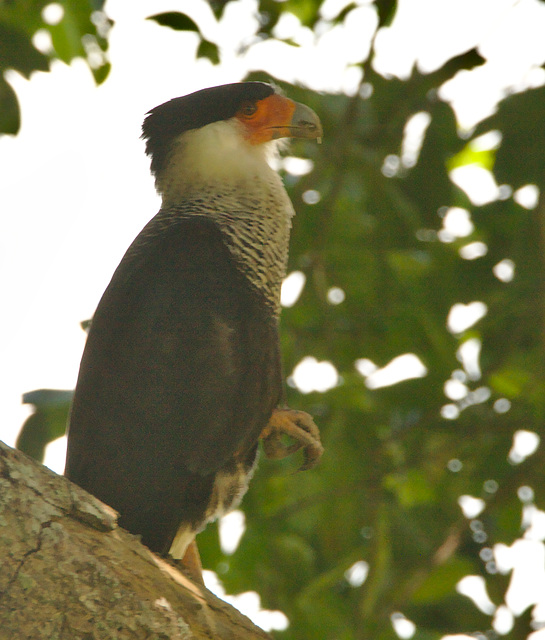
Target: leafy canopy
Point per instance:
(373, 222)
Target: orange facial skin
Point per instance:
(278, 117)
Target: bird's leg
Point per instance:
(192, 563)
(297, 425)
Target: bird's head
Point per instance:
(209, 128)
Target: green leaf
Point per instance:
(208, 50)
(67, 37)
(305, 10)
(429, 183)
(442, 581)
(521, 156)
(218, 7)
(509, 382)
(344, 13)
(101, 73)
(19, 21)
(47, 423)
(411, 489)
(175, 20)
(17, 52)
(468, 155)
(386, 11)
(10, 116)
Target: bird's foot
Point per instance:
(299, 426)
(191, 563)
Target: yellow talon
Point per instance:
(299, 426)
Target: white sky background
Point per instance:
(75, 186)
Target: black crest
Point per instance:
(169, 120)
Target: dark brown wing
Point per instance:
(180, 371)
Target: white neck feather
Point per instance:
(215, 154)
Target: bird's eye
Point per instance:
(248, 109)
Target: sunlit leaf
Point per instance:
(482, 157)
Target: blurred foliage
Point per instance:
(181, 22)
(387, 489)
(46, 423)
(77, 28)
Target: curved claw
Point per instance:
(312, 456)
(299, 426)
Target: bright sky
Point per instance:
(75, 182)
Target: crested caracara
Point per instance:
(181, 373)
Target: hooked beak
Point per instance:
(305, 123)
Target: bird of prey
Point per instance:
(181, 373)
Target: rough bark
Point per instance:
(69, 572)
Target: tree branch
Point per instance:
(68, 571)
